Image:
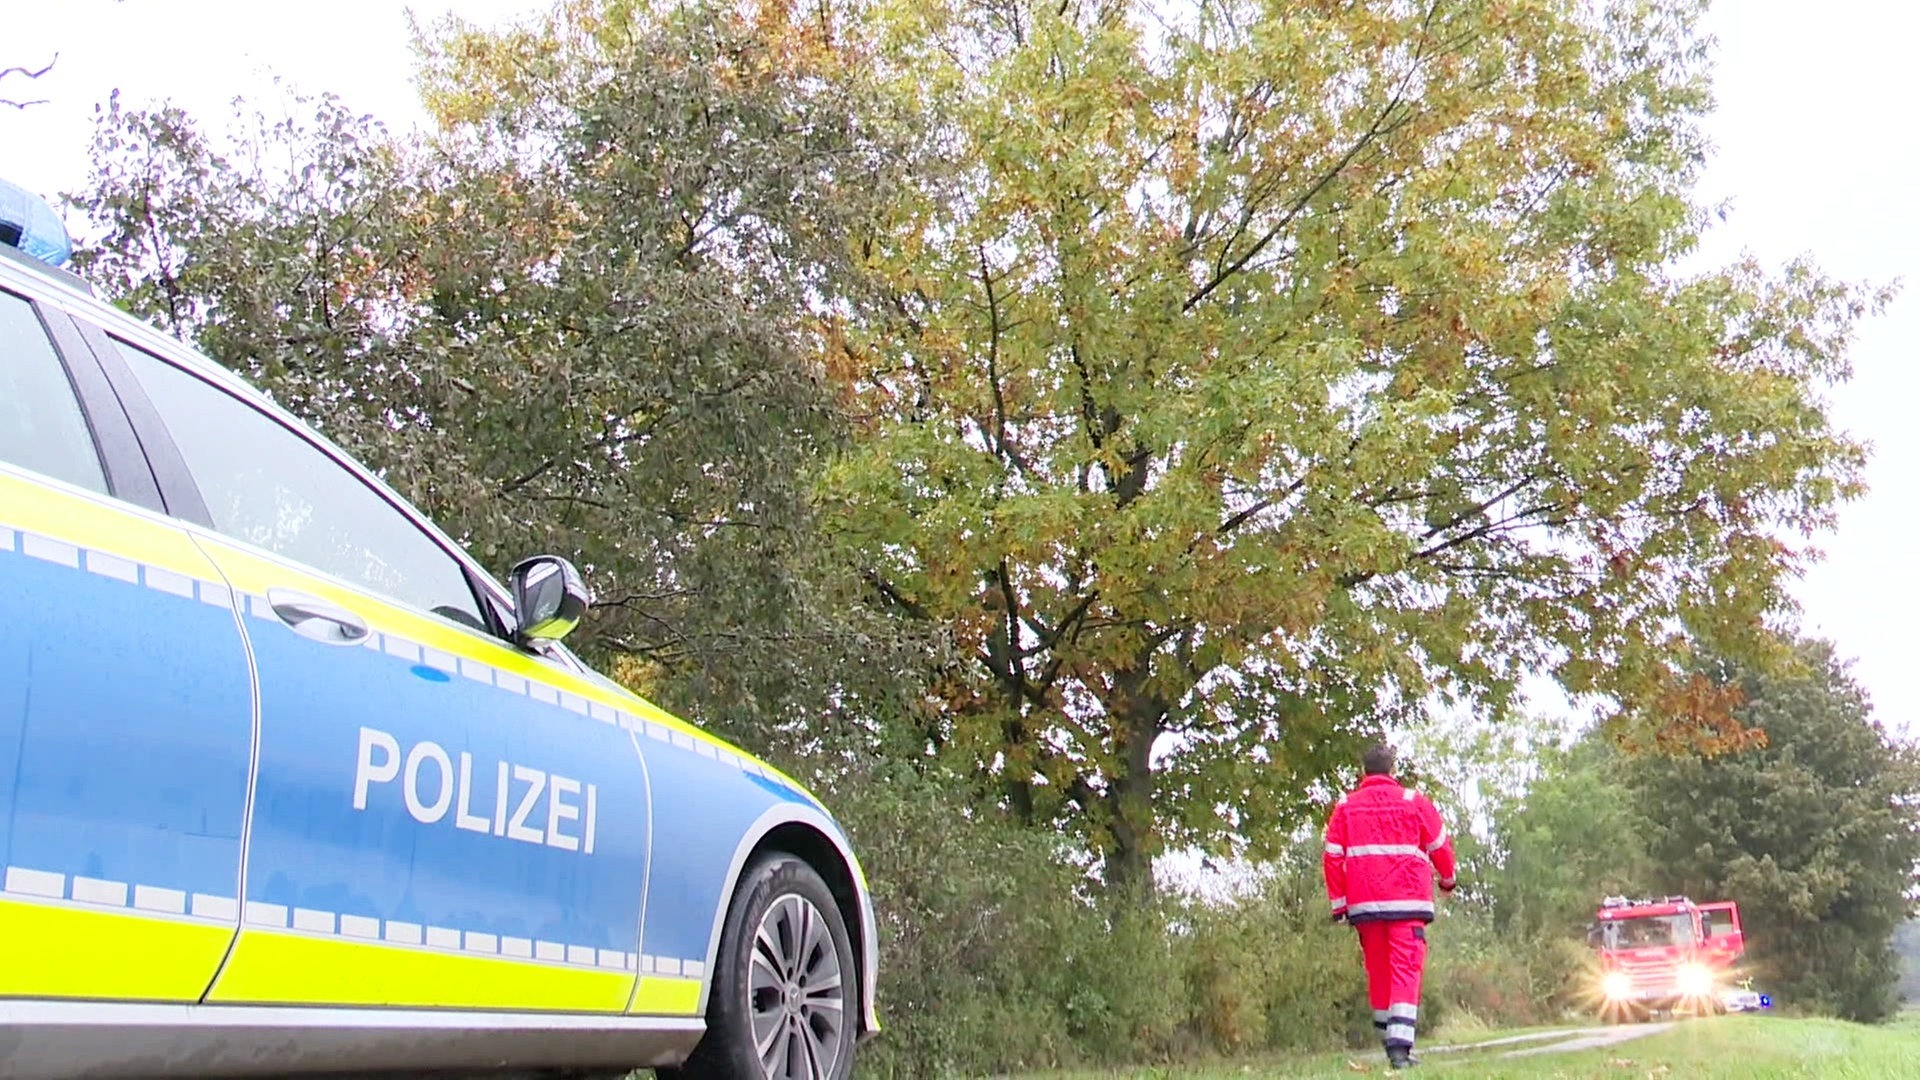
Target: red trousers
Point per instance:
(1395, 953)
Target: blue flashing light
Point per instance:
(27, 222)
(1766, 1001)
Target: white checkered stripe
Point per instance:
(108, 565)
(217, 594)
(24, 883)
(313, 921)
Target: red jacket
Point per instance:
(1384, 843)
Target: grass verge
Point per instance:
(1724, 1048)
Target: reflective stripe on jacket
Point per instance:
(1384, 845)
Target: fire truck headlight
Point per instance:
(1616, 985)
(1696, 981)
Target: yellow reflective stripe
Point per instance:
(51, 951)
(254, 574)
(658, 996)
(286, 968)
(98, 525)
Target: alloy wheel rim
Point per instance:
(794, 993)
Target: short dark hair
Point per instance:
(1378, 760)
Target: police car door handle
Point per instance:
(317, 620)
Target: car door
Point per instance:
(126, 708)
(439, 818)
(1722, 939)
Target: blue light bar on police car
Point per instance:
(27, 222)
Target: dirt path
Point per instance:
(1559, 1042)
(1594, 1038)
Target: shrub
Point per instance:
(995, 958)
(1271, 972)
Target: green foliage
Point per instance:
(994, 957)
(997, 960)
(1816, 834)
(1257, 373)
(1494, 976)
(1575, 836)
(584, 318)
(1272, 972)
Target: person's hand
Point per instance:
(1447, 885)
(1339, 916)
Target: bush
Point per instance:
(995, 958)
(1272, 972)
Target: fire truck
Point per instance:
(1665, 955)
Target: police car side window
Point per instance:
(41, 427)
(267, 486)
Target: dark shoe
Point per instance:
(1399, 1057)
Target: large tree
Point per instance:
(1816, 833)
(583, 316)
(1264, 371)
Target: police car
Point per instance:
(289, 784)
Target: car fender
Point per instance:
(791, 813)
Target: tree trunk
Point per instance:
(1137, 717)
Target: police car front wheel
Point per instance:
(783, 1005)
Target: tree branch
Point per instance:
(994, 330)
(1471, 512)
(1048, 638)
(30, 74)
(1380, 128)
(1250, 512)
(894, 596)
(1488, 529)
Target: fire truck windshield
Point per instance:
(1646, 931)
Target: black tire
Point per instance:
(816, 1048)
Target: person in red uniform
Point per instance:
(1385, 843)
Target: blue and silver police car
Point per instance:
(288, 784)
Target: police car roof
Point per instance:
(39, 266)
(20, 272)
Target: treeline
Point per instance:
(1814, 829)
(1063, 433)
(1906, 944)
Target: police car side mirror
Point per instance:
(549, 599)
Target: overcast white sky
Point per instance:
(1817, 147)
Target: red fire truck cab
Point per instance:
(1665, 955)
